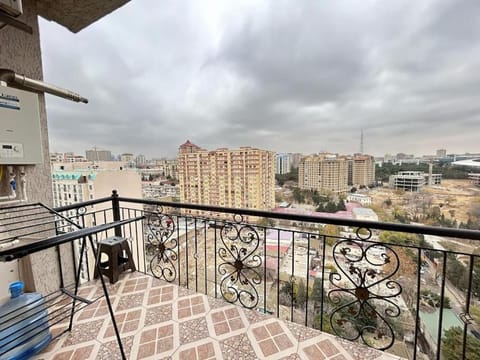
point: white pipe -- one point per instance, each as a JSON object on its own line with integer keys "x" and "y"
{"x": 13, "y": 185}
{"x": 10, "y": 77}
{"x": 23, "y": 183}
{"x": 14, "y": 197}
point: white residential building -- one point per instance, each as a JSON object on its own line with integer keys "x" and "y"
{"x": 282, "y": 163}
{"x": 362, "y": 199}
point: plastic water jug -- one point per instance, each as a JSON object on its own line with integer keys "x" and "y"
{"x": 24, "y": 329}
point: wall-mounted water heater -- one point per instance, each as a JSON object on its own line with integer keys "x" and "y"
{"x": 20, "y": 137}
{"x": 11, "y": 7}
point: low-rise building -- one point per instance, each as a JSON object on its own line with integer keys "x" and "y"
{"x": 360, "y": 198}
{"x": 365, "y": 214}
{"x": 413, "y": 180}
{"x": 475, "y": 177}
{"x": 67, "y": 157}
{"x": 98, "y": 155}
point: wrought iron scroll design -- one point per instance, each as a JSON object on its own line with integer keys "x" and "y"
{"x": 160, "y": 245}
{"x": 240, "y": 264}
{"x": 363, "y": 291}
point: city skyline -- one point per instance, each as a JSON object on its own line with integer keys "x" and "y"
{"x": 268, "y": 75}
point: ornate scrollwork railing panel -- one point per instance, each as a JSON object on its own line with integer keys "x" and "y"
{"x": 240, "y": 264}
{"x": 363, "y": 290}
{"x": 160, "y": 247}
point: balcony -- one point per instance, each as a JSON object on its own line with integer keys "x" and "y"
{"x": 159, "y": 320}
{"x": 226, "y": 282}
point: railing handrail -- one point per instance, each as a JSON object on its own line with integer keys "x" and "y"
{"x": 83, "y": 203}
{"x": 388, "y": 226}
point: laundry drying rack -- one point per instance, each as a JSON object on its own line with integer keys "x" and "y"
{"x": 29, "y": 228}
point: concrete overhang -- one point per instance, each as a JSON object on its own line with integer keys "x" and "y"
{"x": 76, "y": 15}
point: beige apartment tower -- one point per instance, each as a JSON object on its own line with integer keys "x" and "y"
{"x": 240, "y": 178}
{"x": 361, "y": 170}
{"x": 324, "y": 172}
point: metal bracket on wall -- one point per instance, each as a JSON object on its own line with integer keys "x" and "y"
{"x": 10, "y": 20}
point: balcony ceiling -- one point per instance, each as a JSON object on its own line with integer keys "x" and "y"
{"x": 76, "y": 15}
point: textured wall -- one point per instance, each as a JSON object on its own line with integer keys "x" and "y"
{"x": 20, "y": 51}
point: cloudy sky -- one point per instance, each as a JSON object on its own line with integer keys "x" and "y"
{"x": 289, "y": 76}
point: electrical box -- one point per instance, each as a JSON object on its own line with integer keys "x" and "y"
{"x": 11, "y": 7}
{"x": 20, "y": 138}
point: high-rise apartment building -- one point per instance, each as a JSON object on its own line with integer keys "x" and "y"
{"x": 73, "y": 184}
{"x": 282, "y": 163}
{"x": 295, "y": 159}
{"x": 441, "y": 153}
{"x": 168, "y": 167}
{"x": 324, "y": 172}
{"x": 241, "y": 178}
{"x": 361, "y": 170}
{"x": 140, "y": 160}
{"x": 98, "y": 155}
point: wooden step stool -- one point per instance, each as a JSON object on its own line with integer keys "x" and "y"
{"x": 119, "y": 258}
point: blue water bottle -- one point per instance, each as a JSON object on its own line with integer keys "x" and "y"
{"x": 24, "y": 328}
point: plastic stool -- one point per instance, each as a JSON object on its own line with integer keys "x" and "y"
{"x": 119, "y": 258}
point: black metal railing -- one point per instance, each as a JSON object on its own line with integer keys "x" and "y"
{"x": 378, "y": 283}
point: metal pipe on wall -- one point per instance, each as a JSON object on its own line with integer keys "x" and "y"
{"x": 10, "y": 77}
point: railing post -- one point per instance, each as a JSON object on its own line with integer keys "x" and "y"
{"x": 116, "y": 212}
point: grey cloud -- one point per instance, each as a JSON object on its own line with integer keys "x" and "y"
{"x": 287, "y": 76}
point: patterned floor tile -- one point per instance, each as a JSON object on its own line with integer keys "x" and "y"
{"x": 158, "y": 314}
{"x": 111, "y": 351}
{"x": 82, "y": 333}
{"x": 97, "y": 310}
{"x": 226, "y": 322}
{"x": 323, "y": 347}
{"x": 159, "y": 341}
{"x": 302, "y": 333}
{"x": 204, "y": 350}
{"x": 237, "y": 348}
{"x": 79, "y": 353}
{"x": 190, "y": 307}
{"x": 127, "y": 323}
{"x": 159, "y": 320}
{"x": 135, "y": 285}
{"x": 160, "y": 295}
{"x": 193, "y": 330}
{"x": 271, "y": 339}
{"x": 254, "y": 317}
{"x": 111, "y": 288}
{"x": 357, "y": 352}
{"x": 130, "y": 301}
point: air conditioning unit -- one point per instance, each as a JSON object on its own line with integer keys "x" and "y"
{"x": 11, "y": 7}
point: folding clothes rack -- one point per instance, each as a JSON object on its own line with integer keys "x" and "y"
{"x": 25, "y": 229}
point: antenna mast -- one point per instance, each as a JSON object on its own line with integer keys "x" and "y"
{"x": 361, "y": 142}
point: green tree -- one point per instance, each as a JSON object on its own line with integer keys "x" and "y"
{"x": 317, "y": 291}
{"x": 327, "y": 327}
{"x": 301, "y": 294}
{"x": 316, "y": 197}
{"x": 291, "y": 176}
{"x": 476, "y": 272}
{"x": 266, "y": 222}
{"x": 453, "y": 345}
{"x": 457, "y": 273}
{"x": 298, "y": 195}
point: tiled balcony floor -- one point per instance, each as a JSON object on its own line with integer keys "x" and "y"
{"x": 158, "y": 320}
